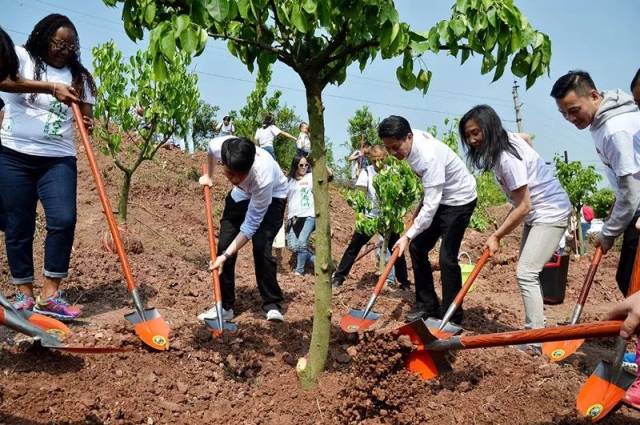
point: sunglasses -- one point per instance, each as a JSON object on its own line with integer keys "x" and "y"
{"x": 303, "y": 165}
{"x": 63, "y": 45}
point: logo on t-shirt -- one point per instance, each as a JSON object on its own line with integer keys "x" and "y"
{"x": 56, "y": 116}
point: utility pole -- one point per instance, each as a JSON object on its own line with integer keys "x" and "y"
{"x": 517, "y": 105}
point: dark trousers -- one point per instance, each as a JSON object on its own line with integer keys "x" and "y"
{"x": 358, "y": 240}
{"x": 627, "y": 256}
{"x": 25, "y": 179}
{"x": 449, "y": 223}
{"x": 263, "y": 260}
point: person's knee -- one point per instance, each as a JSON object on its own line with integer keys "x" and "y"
{"x": 62, "y": 221}
{"x": 448, "y": 261}
{"x": 526, "y": 275}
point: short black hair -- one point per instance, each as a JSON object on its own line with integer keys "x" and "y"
{"x": 8, "y": 59}
{"x": 226, "y": 117}
{"x": 578, "y": 81}
{"x": 238, "y": 154}
{"x": 636, "y": 80}
{"x": 394, "y": 126}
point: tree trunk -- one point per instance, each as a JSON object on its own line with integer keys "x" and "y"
{"x": 383, "y": 253}
{"x": 124, "y": 198}
{"x": 310, "y": 368}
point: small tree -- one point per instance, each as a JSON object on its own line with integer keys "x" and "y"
{"x": 362, "y": 126}
{"x": 319, "y": 40}
{"x": 580, "y": 183}
{"x": 601, "y": 201}
{"x": 202, "y": 126}
{"x": 397, "y": 190}
{"x": 140, "y": 114}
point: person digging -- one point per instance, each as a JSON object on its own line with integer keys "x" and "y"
{"x": 253, "y": 210}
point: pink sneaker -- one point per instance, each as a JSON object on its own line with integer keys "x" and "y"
{"x": 24, "y": 302}
{"x": 56, "y": 306}
{"x": 632, "y": 396}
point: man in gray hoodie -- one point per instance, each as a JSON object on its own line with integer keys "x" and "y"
{"x": 613, "y": 119}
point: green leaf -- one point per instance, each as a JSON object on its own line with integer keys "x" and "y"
{"x": 499, "y": 70}
{"x": 310, "y": 6}
{"x": 182, "y": 22}
{"x": 423, "y": 80}
{"x": 168, "y": 45}
{"x": 298, "y": 19}
{"x": 149, "y": 13}
{"x": 519, "y": 65}
{"x": 243, "y": 8}
{"x": 465, "y": 55}
{"x": 457, "y": 26}
{"x": 488, "y": 62}
{"x": 202, "y": 41}
{"x": 219, "y": 9}
{"x": 159, "y": 69}
{"x": 492, "y": 18}
{"x": 406, "y": 78}
{"x": 189, "y": 40}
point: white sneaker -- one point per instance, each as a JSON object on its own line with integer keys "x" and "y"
{"x": 274, "y": 315}
{"x": 212, "y": 313}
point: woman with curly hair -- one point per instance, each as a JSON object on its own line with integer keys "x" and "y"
{"x": 38, "y": 159}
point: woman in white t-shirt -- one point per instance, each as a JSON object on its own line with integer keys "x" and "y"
{"x": 267, "y": 133}
{"x": 301, "y": 220}
{"x": 38, "y": 160}
{"x": 226, "y": 127}
{"x": 537, "y": 197}
{"x": 303, "y": 143}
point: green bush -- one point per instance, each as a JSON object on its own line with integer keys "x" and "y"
{"x": 489, "y": 194}
{"x": 601, "y": 201}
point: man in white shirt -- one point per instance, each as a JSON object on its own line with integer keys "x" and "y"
{"x": 448, "y": 203}
{"x": 613, "y": 120}
{"x": 253, "y": 210}
{"x": 635, "y": 87}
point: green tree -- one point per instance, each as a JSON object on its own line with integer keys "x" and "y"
{"x": 601, "y": 201}
{"x": 449, "y": 136}
{"x": 580, "y": 183}
{"x": 319, "y": 40}
{"x": 203, "y": 125}
{"x": 139, "y": 113}
{"x": 363, "y": 126}
{"x": 397, "y": 190}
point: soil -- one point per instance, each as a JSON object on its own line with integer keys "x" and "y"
{"x": 249, "y": 377}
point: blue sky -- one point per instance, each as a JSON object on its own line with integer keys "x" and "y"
{"x": 597, "y": 36}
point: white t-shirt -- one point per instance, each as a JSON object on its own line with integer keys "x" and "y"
{"x": 617, "y": 142}
{"x": 549, "y": 201}
{"x": 41, "y": 127}
{"x": 304, "y": 142}
{"x": 365, "y": 179}
{"x": 226, "y": 130}
{"x": 445, "y": 178}
{"x": 265, "y": 136}
{"x": 300, "y": 197}
{"x": 264, "y": 182}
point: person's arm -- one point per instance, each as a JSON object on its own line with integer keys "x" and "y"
{"x": 625, "y": 206}
{"x": 60, "y": 91}
{"x": 354, "y": 156}
{"x": 285, "y": 134}
{"x": 629, "y": 311}
{"x": 526, "y": 137}
{"x": 86, "y": 109}
{"x": 423, "y": 219}
{"x": 211, "y": 163}
{"x": 522, "y": 201}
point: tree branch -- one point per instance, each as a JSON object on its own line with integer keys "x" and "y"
{"x": 279, "y": 25}
{"x": 332, "y": 45}
{"x": 284, "y": 58}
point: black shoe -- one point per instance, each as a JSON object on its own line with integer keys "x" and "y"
{"x": 405, "y": 286}
{"x": 416, "y": 315}
{"x": 336, "y": 282}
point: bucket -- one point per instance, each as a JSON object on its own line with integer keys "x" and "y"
{"x": 466, "y": 269}
{"x": 553, "y": 279}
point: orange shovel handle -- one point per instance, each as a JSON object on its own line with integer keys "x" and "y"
{"x": 212, "y": 240}
{"x": 472, "y": 277}
{"x": 113, "y": 227}
{"x": 383, "y": 277}
{"x": 588, "y": 280}
{"x": 634, "y": 285}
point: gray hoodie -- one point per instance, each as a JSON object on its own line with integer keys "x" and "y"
{"x": 614, "y": 103}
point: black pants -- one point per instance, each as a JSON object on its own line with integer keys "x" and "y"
{"x": 449, "y": 223}
{"x": 263, "y": 260}
{"x": 358, "y": 240}
{"x": 627, "y": 256}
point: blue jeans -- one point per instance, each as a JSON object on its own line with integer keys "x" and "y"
{"x": 300, "y": 244}
{"x": 25, "y": 179}
{"x": 271, "y": 151}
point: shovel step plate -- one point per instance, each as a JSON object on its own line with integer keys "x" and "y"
{"x": 558, "y": 351}
{"x": 216, "y": 329}
{"x": 599, "y": 396}
{"x": 448, "y": 331}
{"x": 153, "y": 330}
{"x": 48, "y": 324}
{"x": 354, "y": 322}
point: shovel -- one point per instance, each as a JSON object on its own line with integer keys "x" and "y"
{"x": 149, "y": 325}
{"x": 605, "y": 388}
{"x": 48, "y": 324}
{"x": 370, "y": 248}
{"x": 360, "y": 320}
{"x": 442, "y": 325}
{"x": 48, "y": 340}
{"x": 557, "y": 351}
{"x": 217, "y": 325}
{"x": 431, "y": 361}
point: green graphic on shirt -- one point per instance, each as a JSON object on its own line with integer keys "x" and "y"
{"x": 56, "y": 116}
{"x": 305, "y": 199}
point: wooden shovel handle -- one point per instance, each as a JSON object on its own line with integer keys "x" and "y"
{"x": 383, "y": 277}
{"x": 212, "y": 240}
{"x": 472, "y": 277}
{"x": 634, "y": 285}
{"x": 588, "y": 280}
{"x": 104, "y": 200}
{"x": 558, "y": 333}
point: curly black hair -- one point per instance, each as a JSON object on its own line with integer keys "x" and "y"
{"x": 38, "y": 45}
{"x": 8, "y": 59}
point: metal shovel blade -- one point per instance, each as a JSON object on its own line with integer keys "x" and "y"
{"x": 560, "y": 350}
{"x": 427, "y": 364}
{"x": 216, "y": 329}
{"x": 354, "y": 321}
{"x": 151, "y": 329}
{"x": 447, "y": 331}
{"x": 84, "y": 350}
{"x": 601, "y": 393}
